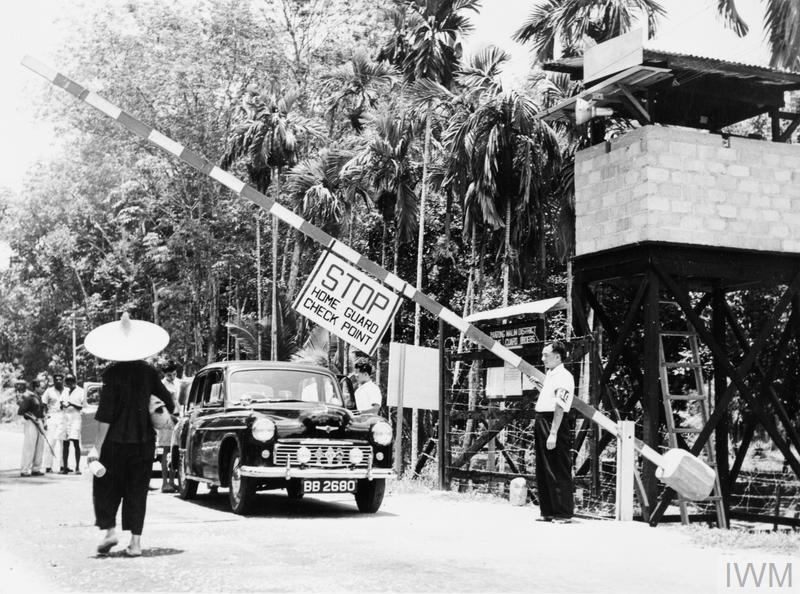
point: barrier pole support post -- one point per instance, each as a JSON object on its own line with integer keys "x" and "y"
{"x": 626, "y": 458}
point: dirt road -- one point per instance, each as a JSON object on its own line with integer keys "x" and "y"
{"x": 431, "y": 542}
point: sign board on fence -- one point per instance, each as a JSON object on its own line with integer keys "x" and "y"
{"x": 414, "y": 372}
{"x": 347, "y": 302}
{"x": 517, "y": 335}
{"x": 502, "y": 382}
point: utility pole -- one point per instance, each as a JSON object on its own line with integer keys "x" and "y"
{"x": 74, "y": 322}
{"x": 273, "y": 335}
{"x": 74, "y": 349}
{"x": 258, "y": 287}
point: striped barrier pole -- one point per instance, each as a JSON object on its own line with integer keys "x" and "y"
{"x": 670, "y": 468}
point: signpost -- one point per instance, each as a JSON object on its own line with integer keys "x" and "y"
{"x": 347, "y": 302}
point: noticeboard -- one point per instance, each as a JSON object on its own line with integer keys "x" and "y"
{"x": 517, "y": 335}
{"x": 347, "y": 302}
{"x": 413, "y": 376}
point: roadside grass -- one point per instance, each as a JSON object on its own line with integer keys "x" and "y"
{"x": 743, "y": 537}
{"x": 427, "y": 484}
{"x": 420, "y": 486}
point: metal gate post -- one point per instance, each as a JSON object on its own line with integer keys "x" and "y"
{"x": 626, "y": 458}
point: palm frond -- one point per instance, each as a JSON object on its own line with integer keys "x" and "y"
{"x": 315, "y": 349}
{"x": 540, "y": 29}
{"x": 732, "y": 18}
{"x": 782, "y": 25}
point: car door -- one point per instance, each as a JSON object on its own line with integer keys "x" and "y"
{"x": 193, "y": 417}
{"x": 211, "y": 412}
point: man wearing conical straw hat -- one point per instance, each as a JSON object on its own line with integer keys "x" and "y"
{"x": 125, "y": 443}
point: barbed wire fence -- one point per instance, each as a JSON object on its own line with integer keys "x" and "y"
{"x": 758, "y": 495}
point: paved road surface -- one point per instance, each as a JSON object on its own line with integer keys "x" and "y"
{"x": 437, "y": 542}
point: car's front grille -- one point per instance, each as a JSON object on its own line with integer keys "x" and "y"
{"x": 323, "y": 454}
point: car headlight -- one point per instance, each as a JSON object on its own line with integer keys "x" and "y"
{"x": 263, "y": 429}
{"x": 382, "y": 433}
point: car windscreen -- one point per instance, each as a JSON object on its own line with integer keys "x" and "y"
{"x": 272, "y": 385}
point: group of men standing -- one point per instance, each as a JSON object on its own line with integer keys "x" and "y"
{"x": 52, "y": 421}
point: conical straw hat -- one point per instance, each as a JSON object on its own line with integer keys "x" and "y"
{"x": 126, "y": 340}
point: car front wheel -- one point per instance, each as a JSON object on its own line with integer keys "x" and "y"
{"x": 242, "y": 490}
{"x": 187, "y": 488}
{"x": 369, "y": 495}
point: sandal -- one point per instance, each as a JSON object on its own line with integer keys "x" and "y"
{"x": 128, "y": 553}
{"x": 106, "y": 544}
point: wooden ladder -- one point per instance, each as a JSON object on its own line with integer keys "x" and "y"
{"x": 697, "y": 395}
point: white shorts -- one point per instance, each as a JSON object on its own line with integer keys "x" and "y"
{"x": 72, "y": 425}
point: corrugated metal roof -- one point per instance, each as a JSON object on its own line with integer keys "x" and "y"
{"x": 725, "y": 66}
{"x": 540, "y": 307}
{"x": 655, "y": 46}
{"x": 767, "y": 74}
{"x": 637, "y": 76}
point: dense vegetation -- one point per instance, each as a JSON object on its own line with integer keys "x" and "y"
{"x": 370, "y": 123}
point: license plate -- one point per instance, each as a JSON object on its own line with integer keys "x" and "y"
{"x": 329, "y": 486}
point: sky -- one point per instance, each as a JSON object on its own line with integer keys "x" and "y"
{"x": 28, "y": 28}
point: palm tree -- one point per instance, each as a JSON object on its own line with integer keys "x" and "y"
{"x": 511, "y": 154}
{"x": 569, "y": 21}
{"x": 323, "y": 196}
{"x": 427, "y": 47}
{"x": 385, "y": 166}
{"x": 267, "y": 139}
{"x": 781, "y": 25}
{"x": 356, "y": 87}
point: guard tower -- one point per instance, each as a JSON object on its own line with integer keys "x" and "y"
{"x": 674, "y": 219}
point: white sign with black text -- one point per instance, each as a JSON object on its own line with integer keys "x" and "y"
{"x": 347, "y": 302}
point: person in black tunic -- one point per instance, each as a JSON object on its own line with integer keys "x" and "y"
{"x": 125, "y": 442}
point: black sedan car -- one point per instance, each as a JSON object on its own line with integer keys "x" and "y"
{"x": 257, "y": 425}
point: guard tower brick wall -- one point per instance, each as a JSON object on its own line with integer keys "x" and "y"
{"x": 681, "y": 185}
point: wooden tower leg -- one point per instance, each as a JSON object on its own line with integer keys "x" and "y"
{"x": 720, "y": 385}
{"x": 652, "y": 391}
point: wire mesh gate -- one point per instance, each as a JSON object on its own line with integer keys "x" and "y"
{"x": 486, "y": 439}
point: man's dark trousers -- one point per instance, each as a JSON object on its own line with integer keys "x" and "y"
{"x": 554, "y": 467}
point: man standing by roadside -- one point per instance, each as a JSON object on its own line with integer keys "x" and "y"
{"x": 73, "y": 405}
{"x": 553, "y": 438}
{"x": 51, "y": 399}
{"x": 368, "y": 394}
{"x": 30, "y": 409}
{"x": 164, "y": 436}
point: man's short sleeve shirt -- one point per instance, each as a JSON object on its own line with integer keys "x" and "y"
{"x": 368, "y": 395}
{"x": 52, "y": 400}
{"x": 555, "y": 379}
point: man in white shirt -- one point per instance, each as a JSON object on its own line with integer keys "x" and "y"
{"x": 553, "y": 437}
{"x": 51, "y": 399}
{"x": 72, "y": 405}
{"x": 368, "y": 394}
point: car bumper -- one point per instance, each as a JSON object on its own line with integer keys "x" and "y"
{"x": 316, "y": 473}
